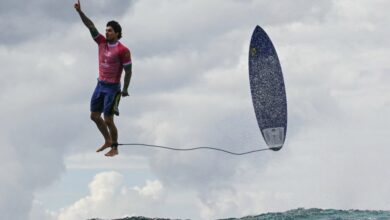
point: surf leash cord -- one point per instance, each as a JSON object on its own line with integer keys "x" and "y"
{"x": 193, "y": 148}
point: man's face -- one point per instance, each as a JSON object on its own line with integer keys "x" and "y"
{"x": 110, "y": 34}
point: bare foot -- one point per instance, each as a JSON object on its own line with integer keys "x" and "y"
{"x": 105, "y": 145}
{"x": 112, "y": 152}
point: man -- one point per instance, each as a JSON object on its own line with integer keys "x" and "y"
{"x": 113, "y": 58}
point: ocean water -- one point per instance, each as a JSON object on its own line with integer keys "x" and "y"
{"x": 322, "y": 214}
{"x": 300, "y": 214}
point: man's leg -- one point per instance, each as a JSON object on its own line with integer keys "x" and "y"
{"x": 102, "y": 126}
{"x": 109, "y": 121}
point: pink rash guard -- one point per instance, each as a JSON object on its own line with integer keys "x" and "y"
{"x": 112, "y": 59}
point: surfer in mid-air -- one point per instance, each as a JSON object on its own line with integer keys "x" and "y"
{"x": 113, "y": 58}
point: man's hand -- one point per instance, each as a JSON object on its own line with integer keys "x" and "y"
{"x": 77, "y": 6}
{"x": 125, "y": 93}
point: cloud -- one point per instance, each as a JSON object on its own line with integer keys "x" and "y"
{"x": 109, "y": 197}
{"x": 151, "y": 189}
{"x": 32, "y": 21}
{"x": 190, "y": 88}
{"x": 202, "y": 22}
{"x": 38, "y": 132}
{"x": 326, "y": 62}
{"x": 39, "y": 212}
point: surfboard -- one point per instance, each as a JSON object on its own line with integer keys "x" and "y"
{"x": 267, "y": 89}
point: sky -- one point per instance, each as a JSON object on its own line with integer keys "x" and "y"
{"x": 189, "y": 88}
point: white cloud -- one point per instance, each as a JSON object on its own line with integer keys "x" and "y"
{"x": 109, "y": 197}
{"x": 190, "y": 88}
{"x": 151, "y": 189}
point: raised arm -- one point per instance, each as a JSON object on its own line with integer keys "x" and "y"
{"x": 86, "y": 20}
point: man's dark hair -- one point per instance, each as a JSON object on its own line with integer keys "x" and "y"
{"x": 117, "y": 28}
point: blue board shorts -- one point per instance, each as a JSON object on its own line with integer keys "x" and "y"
{"x": 105, "y": 99}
